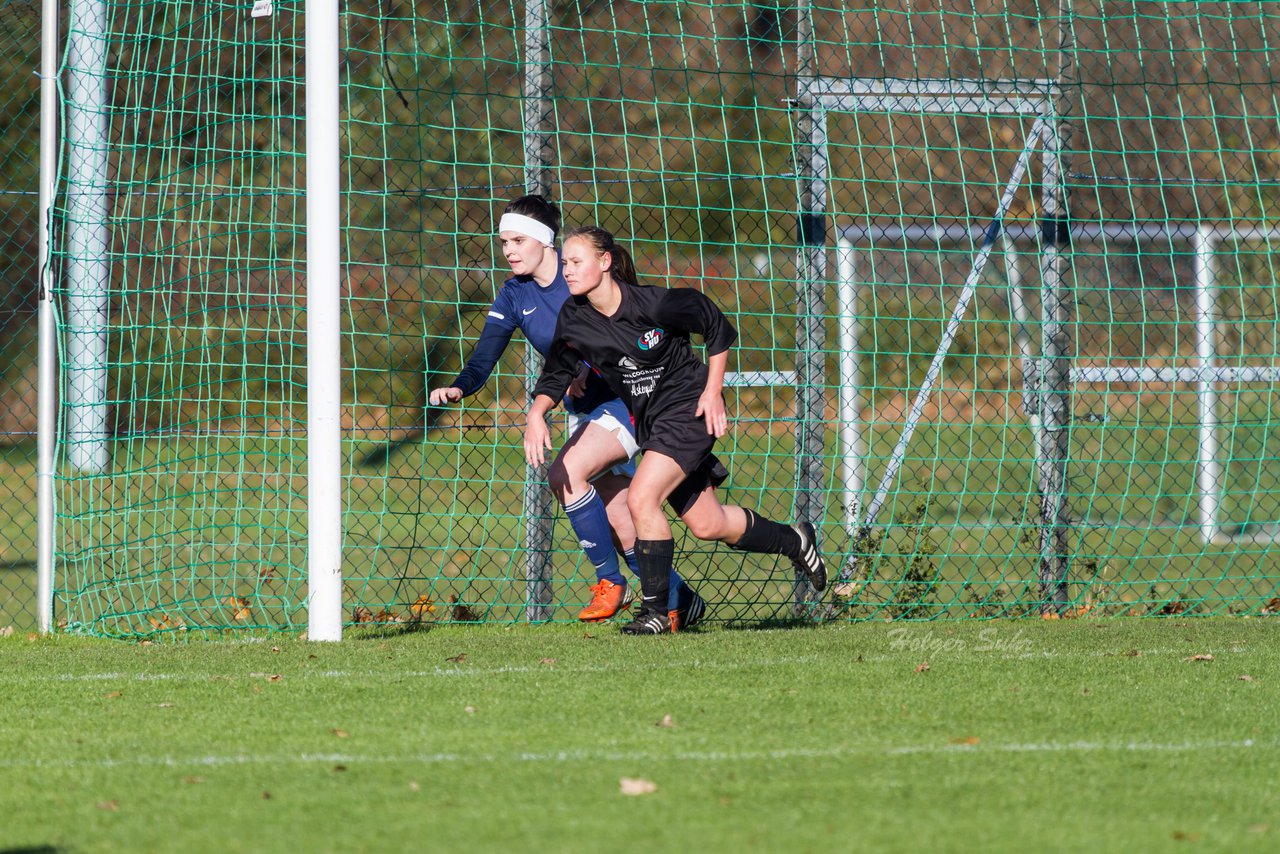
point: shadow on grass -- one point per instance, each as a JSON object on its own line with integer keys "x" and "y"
{"x": 770, "y": 624}
{"x": 385, "y": 631}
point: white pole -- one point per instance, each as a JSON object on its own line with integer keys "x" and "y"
{"x": 853, "y": 441}
{"x": 47, "y": 416}
{"x": 1018, "y": 303}
{"x": 86, "y": 266}
{"x": 324, "y": 344}
{"x": 1209, "y": 479}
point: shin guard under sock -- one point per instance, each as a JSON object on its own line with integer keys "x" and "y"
{"x": 678, "y": 585}
{"x": 764, "y": 536}
{"x": 654, "y": 559}
{"x": 591, "y": 523}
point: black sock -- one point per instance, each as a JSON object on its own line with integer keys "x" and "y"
{"x": 654, "y": 559}
{"x": 765, "y": 536}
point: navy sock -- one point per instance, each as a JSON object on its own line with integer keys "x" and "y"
{"x": 591, "y": 523}
{"x": 678, "y": 584}
{"x": 764, "y": 536}
{"x": 655, "y": 558}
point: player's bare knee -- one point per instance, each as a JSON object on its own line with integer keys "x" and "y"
{"x": 640, "y": 503}
{"x": 558, "y": 479}
{"x": 706, "y": 527}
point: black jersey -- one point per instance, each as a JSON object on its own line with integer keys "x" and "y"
{"x": 642, "y": 351}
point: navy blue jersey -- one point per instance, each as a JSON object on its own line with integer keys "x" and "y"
{"x": 524, "y": 304}
{"x": 643, "y": 350}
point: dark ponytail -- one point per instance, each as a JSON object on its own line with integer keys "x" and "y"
{"x": 537, "y": 207}
{"x": 621, "y": 265}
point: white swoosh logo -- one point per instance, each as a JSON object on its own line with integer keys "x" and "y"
{"x": 529, "y": 311}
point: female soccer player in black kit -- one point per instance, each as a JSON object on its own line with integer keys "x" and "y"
{"x": 637, "y": 338}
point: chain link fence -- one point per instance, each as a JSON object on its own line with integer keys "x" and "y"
{"x": 1003, "y": 273}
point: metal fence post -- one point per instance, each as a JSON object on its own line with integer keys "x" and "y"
{"x": 1052, "y": 384}
{"x": 539, "y": 124}
{"x": 811, "y": 269}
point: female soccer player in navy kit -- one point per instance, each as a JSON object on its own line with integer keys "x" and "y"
{"x": 637, "y": 338}
{"x": 591, "y": 473}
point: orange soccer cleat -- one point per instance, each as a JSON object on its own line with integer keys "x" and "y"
{"x": 607, "y": 599}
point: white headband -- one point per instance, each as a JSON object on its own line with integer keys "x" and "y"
{"x": 528, "y": 226}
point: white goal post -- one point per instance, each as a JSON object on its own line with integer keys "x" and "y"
{"x": 1208, "y": 374}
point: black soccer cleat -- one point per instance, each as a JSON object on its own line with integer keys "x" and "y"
{"x": 651, "y": 623}
{"x": 809, "y": 563}
{"x": 690, "y": 609}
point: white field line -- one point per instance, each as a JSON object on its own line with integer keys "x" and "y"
{"x": 854, "y": 658}
{"x": 596, "y": 757}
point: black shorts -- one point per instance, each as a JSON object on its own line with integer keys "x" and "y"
{"x": 711, "y": 472}
{"x": 688, "y": 443}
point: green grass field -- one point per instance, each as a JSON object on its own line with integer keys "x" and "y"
{"x": 1084, "y": 735}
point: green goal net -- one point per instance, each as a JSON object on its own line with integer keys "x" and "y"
{"x": 1003, "y": 273}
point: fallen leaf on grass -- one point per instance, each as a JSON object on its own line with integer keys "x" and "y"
{"x": 1245, "y": 677}
{"x": 6, "y": 631}
{"x": 414, "y": 785}
{"x": 471, "y": 710}
{"x": 113, "y": 695}
{"x": 32, "y": 637}
{"x": 922, "y": 667}
{"x": 275, "y": 677}
{"x": 239, "y": 608}
{"x": 165, "y": 622}
{"x": 667, "y": 722}
{"x": 275, "y": 649}
{"x": 385, "y": 616}
{"x": 193, "y": 779}
{"x": 461, "y": 613}
{"x": 637, "y": 786}
{"x": 547, "y": 661}
{"x": 1134, "y": 653}
{"x": 109, "y": 806}
{"x": 1272, "y": 606}
{"x": 844, "y": 590}
{"x": 419, "y": 610}
{"x": 970, "y": 739}
{"x": 457, "y": 659}
{"x": 1189, "y": 837}
{"x": 339, "y": 768}
{"x": 166, "y": 706}
{"x": 1201, "y": 656}
{"x": 266, "y": 796}
{"x": 361, "y": 615}
{"x": 340, "y": 733}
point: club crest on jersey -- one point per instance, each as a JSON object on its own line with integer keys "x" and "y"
{"x": 650, "y": 339}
